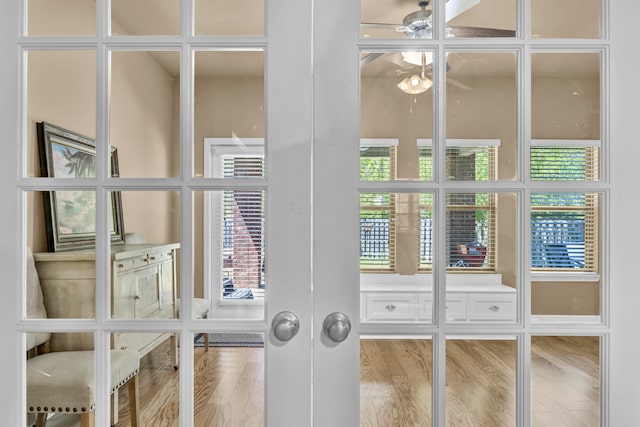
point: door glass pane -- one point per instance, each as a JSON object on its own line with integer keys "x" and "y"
{"x": 229, "y": 379}
{"x": 145, "y": 17}
{"x": 61, "y": 90}
{"x": 145, "y": 267}
{"x": 57, "y": 222}
{"x": 475, "y": 18}
{"x": 393, "y": 19}
{"x": 565, "y": 96}
{"x": 143, "y": 125}
{"x": 565, "y": 381}
{"x": 228, "y": 109}
{"x": 60, "y": 378}
{"x": 482, "y": 260}
{"x": 481, "y": 382}
{"x": 396, "y": 257}
{"x": 220, "y": 17}
{"x": 61, "y": 18}
{"x": 566, "y": 18}
{"x": 158, "y": 379}
{"x": 395, "y": 382}
{"x": 389, "y": 19}
{"x": 565, "y": 253}
{"x": 396, "y": 100}
{"x": 229, "y": 258}
{"x": 482, "y": 113}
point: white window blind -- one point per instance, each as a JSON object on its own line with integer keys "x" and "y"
{"x": 568, "y": 163}
{"x": 377, "y": 231}
{"x": 243, "y": 229}
{"x": 564, "y": 231}
{"x": 471, "y": 229}
{"x": 466, "y": 159}
{"x": 378, "y": 159}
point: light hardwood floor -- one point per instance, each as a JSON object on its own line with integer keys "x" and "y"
{"x": 395, "y": 385}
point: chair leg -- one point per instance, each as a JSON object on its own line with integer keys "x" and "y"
{"x": 41, "y": 420}
{"x": 87, "y": 419}
{"x": 134, "y": 401}
{"x": 175, "y": 352}
{"x": 114, "y": 407}
{"x": 206, "y": 342}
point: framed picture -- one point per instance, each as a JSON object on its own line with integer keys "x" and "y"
{"x": 70, "y": 215}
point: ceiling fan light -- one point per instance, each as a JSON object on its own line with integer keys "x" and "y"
{"x": 415, "y": 57}
{"x": 415, "y": 84}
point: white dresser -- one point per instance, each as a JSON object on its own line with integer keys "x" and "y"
{"x": 143, "y": 286}
{"x": 470, "y": 298}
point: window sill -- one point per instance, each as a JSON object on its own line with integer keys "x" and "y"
{"x": 564, "y": 277}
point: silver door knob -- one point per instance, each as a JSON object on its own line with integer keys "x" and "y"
{"x": 337, "y": 327}
{"x": 285, "y": 325}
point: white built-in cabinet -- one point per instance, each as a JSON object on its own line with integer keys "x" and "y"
{"x": 470, "y": 298}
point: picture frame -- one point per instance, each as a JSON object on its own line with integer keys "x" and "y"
{"x": 70, "y": 215}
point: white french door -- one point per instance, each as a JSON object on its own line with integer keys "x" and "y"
{"x": 313, "y": 109}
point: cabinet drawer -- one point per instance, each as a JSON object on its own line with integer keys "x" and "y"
{"x": 456, "y": 307}
{"x": 492, "y": 307}
{"x": 425, "y": 307}
{"x": 129, "y": 264}
{"x": 391, "y": 307}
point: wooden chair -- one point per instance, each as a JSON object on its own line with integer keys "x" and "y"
{"x": 63, "y": 381}
{"x": 200, "y": 311}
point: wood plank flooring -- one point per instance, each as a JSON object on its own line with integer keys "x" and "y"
{"x": 396, "y": 380}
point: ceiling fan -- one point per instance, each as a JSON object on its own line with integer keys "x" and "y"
{"x": 419, "y": 24}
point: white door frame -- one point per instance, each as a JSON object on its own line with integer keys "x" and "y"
{"x": 337, "y": 30}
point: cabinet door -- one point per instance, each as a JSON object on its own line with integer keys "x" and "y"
{"x": 147, "y": 292}
{"x": 123, "y": 294}
{"x": 167, "y": 288}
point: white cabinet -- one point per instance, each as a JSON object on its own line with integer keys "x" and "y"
{"x": 143, "y": 286}
{"x": 473, "y": 298}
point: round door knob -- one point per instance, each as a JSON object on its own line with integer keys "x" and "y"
{"x": 285, "y": 325}
{"x": 337, "y": 327}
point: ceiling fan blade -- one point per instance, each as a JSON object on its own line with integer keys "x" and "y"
{"x": 395, "y": 27}
{"x": 459, "y": 85}
{"x": 365, "y": 59}
{"x": 462, "y": 31}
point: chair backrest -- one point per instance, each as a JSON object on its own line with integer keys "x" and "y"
{"x": 35, "y": 302}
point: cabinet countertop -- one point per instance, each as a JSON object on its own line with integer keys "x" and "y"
{"x": 117, "y": 252}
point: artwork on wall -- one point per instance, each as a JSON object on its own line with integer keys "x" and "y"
{"x": 70, "y": 215}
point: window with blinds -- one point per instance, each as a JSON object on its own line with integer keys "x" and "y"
{"x": 243, "y": 230}
{"x": 377, "y": 232}
{"x": 377, "y": 162}
{"x": 466, "y": 160}
{"x": 471, "y": 229}
{"x": 564, "y": 163}
{"x": 564, "y": 227}
{"x": 425, "y": 208}
{"x": 564, "y": 231}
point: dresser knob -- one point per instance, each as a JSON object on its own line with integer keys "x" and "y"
{"x": 390, "y": 307}
{"x": 136, "y": 297}
{"x": 123, "y": 347}
{"x": 494, "y": 308}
